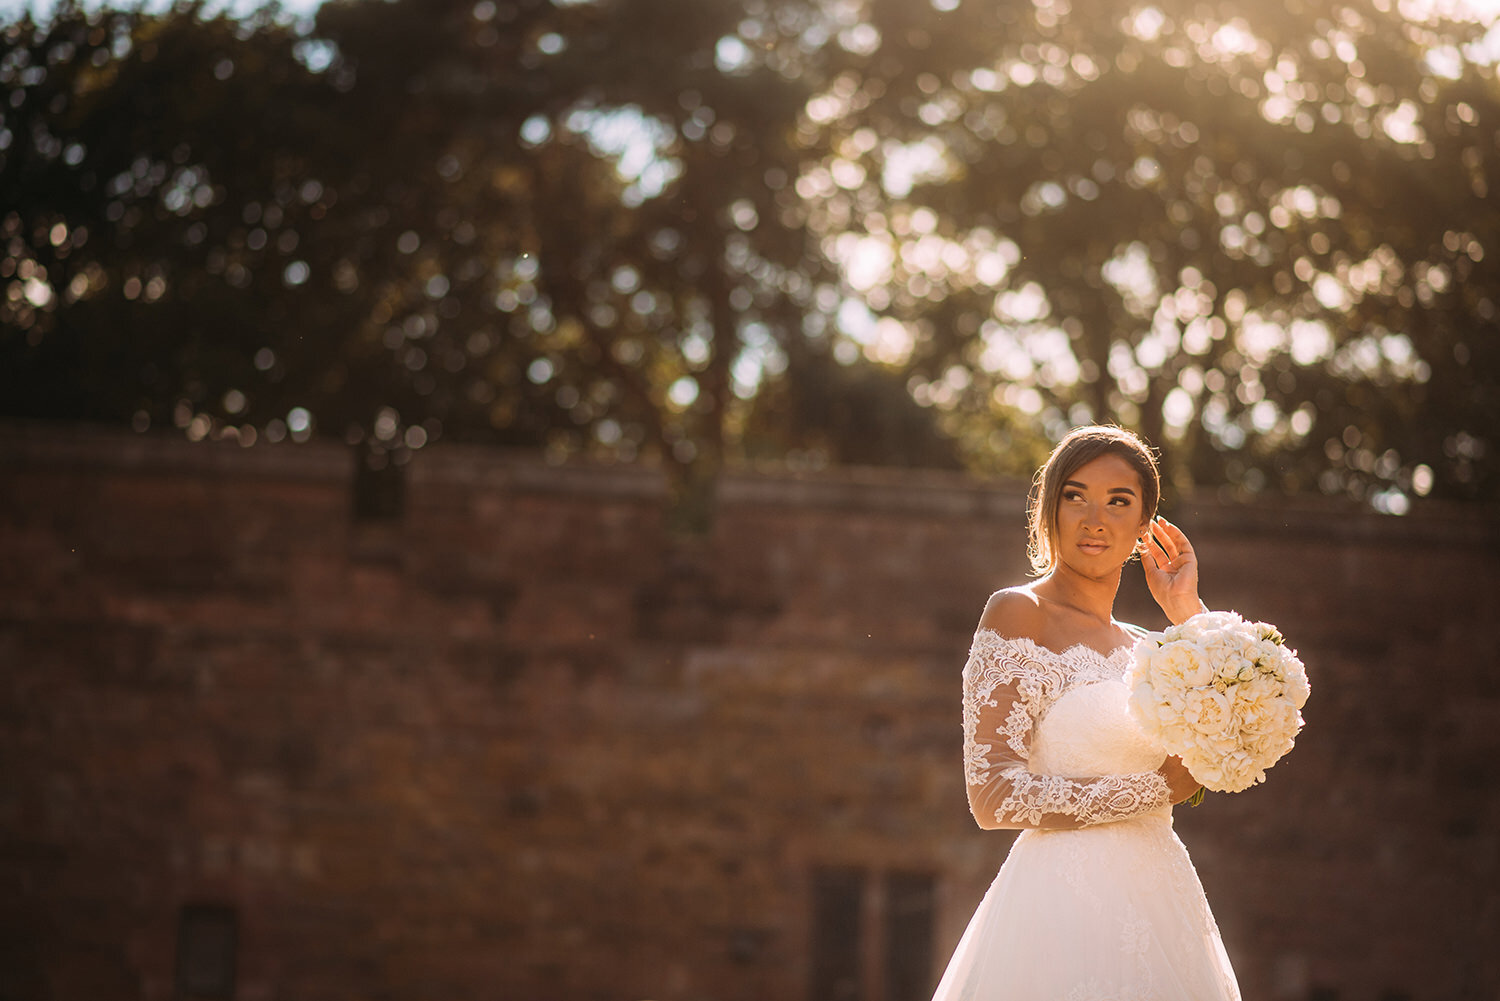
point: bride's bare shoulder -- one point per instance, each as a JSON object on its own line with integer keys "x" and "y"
{"x": 1015, "y": 612}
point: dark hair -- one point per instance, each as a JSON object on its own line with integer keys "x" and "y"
{"x": 1077, "y": 449}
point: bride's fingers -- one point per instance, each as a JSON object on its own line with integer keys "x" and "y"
{"x": 1163, "y": 541}
{"x": 1161, "y": 559}
{"x": 1178, "y": 536}
{"x": 1171, "y": 553}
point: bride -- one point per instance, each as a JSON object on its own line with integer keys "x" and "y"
{"x": 1097, "y": 900}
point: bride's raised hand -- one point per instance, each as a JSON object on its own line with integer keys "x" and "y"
{"x": 1171, "y": 569}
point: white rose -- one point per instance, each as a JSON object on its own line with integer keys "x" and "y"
{"x": 1174, "y": 735}
{"x": 1268, "y": 632}
{"x": 1207, "y": 712}
{"x": 1297, "y": 688}
{"x": 1143, "y": 706}
{"x": 1233, "y": 668}
{"x": 1193, "y": 629}
{"x": 1206, "y": 768}
{"x": 1220, "y": 743}
{"x": 1222, "y": 647}
{"x": 1241, "y": 772}
{"x": 1209, "y": 623}
{"x": 1180, "y": 665}
{"x": 1254, "y": 701}
{"x": 1248, "y": 649}
{"x": 1268, "y": 748}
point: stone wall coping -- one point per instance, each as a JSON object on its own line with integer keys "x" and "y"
{"x": 92, "y": 447}
{"x": 935, "y": 493}
{"x": 484, "y": 467}
{"x": 852, "y": 488}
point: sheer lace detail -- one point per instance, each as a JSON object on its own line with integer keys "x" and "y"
{"x": 1090, "y": 801}
{"x": 1009, "y": 685}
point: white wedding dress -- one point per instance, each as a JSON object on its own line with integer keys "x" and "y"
{"x": 1097, "y": 900}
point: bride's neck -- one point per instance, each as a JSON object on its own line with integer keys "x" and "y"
{"x": 1091, "y": 596}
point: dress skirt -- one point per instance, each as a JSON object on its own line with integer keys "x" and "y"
{"x": 1107, "y": 913}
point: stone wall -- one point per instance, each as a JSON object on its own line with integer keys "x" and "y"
{"x": 522, "y": 743}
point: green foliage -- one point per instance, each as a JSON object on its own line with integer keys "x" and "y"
{"x": 709, "y": 231}
{"x": 1254, "y": 231}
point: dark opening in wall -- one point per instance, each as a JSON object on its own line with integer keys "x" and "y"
{"x": 379, "y": 487}
{"x": 838, "y": 895}
{"x": 871, "y": 935}
{"x": 908, "y": 936}
{"x": 207, "y": 943}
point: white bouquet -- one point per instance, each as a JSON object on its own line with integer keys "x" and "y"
{"x": 1221, "y": 693}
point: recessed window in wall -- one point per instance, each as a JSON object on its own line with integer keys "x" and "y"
{"x": 871, "y": 935}
{"x": 379, "y": 487}
{"x": 207, "y": 943}
{"x": 837, "y": 900}
{"x": 908, "y": 936}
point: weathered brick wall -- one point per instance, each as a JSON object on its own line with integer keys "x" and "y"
{"x": 522, "y": 743}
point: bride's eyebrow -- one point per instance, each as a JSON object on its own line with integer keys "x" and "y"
{"x": 1112, "y": 490}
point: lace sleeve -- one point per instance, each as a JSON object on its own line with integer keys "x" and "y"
{"x": 1005, "y": 694}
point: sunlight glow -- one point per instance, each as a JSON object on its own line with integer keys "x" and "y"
{"x": 1481, "y": 11}
{"x": 731, "y": 55}
{"x": 1401, "y": 123}
{"x": 683, "y": 393}
{"x": 867, "y": 260}
{"x": 637, "y": 142}
{"x": 1132, "y": 275}
{"x": 907, "y": 165}
{"x": 1024, "y": 305}
{"x": 1234, "y": 39}
{"x": 1146, "y": 23}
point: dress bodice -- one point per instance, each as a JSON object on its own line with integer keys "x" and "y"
{"x": 1089, "y": 731}
{"x": 1049, "y": 740}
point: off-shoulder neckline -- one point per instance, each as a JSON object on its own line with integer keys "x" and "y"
{"x": 1064, "y": 654}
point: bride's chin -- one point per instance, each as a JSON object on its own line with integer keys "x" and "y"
{"x": 1094, "y": 569}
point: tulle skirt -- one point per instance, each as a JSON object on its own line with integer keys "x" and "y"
{"x": 1107, "y": 913}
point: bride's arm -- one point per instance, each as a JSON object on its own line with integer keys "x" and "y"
{"x": 1181, "y": 785}
{"x": 1003, "y": 699}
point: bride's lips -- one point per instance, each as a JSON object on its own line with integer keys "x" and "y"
{"x": 1094, "y": 546}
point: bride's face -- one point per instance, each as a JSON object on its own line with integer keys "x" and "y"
{"x": 1100, "y": 515}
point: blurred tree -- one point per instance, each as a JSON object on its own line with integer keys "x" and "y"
{"x": 237, "y": 228}
{"x": 556, "y": 225}
{"x": 702, "y": 229}
{"x": 1254, "y": 231}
